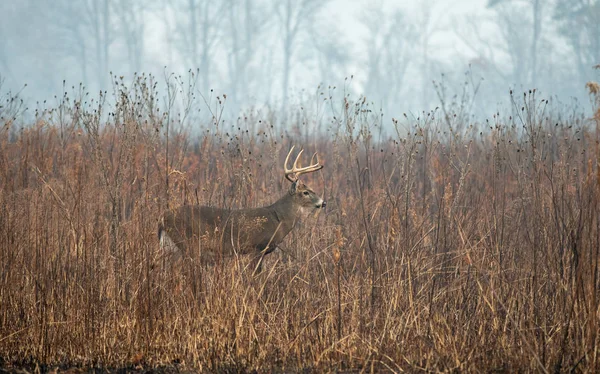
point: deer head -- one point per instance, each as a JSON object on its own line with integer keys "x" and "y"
{"x": 304, "y": 198}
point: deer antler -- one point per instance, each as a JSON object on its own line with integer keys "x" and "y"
{"x": 296, "y": 169}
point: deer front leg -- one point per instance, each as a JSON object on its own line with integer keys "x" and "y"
{"x": 256, "y": 264}
{"x": 257, "y": 260}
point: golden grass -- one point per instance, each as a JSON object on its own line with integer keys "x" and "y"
{"x": 440, "y": 250}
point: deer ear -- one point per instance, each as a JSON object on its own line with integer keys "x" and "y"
{"x": 293, "y": 188}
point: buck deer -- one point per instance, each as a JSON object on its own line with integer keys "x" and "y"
{"x": 255, "y": 231}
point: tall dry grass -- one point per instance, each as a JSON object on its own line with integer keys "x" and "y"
{"x": 447, "y": 246}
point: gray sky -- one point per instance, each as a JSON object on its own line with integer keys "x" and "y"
{"x": 394, "y": 49}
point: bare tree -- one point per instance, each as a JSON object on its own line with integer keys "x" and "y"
{"x": 331, "y": 53}
{"x": 511, "y": 53}
{"x": 427, "y": 21}
{"x": 76, "y": 24}
{"x": 294, "y": 17}
{"x": 389, "y": 50}
{"x": 27, "y": 52}
{"x": 580, "y": 27}
{"x": 97, "y": 16}
{"x": 5, "y": 8}
{"x": 536, "y": 32}
{"x": 130, "y": 16}
{"x": 70, "y": 34}
{"x": 246, "y": 21}
{"x": 198, "y": 34}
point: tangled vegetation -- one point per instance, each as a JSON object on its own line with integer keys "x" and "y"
{"x": 446, "y": 245}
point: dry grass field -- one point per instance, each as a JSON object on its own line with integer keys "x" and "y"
{"x": 446, "y": 246}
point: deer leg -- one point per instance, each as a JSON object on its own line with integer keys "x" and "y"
{"x": 256, "y": 264}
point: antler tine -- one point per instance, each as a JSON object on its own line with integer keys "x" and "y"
{"x": 287, "y": 158}
{"x": 298, "y": 170}
{"x": 314, "y": 166}
{"x": 296, "y": 166}
{"x": 310, "y": 168}
{"x": 287, "y": 171}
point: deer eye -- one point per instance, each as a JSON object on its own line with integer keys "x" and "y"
{"x": 305, "y": 193}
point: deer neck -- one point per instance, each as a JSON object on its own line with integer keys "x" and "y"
{"x": 286, "y": 212}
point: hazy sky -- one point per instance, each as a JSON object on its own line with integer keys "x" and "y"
{"x": 39, "y": 41}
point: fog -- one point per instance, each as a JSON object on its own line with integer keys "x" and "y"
{"x": 405, "y": 57}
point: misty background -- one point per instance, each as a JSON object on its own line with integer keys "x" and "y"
{"x": 404, "y": 56}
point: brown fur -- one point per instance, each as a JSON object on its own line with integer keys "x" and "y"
{"x": 244, "y": 231}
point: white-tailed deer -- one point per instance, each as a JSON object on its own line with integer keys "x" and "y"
{"x": 244, "y": 231}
